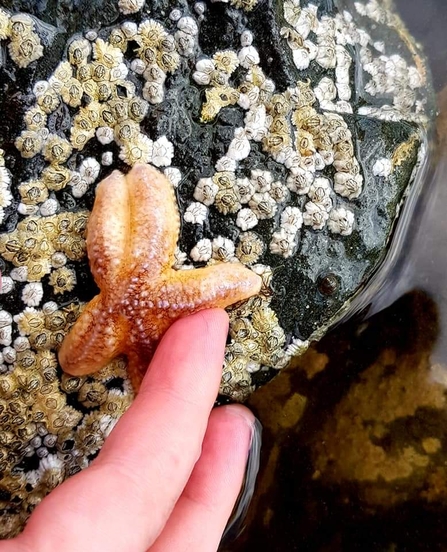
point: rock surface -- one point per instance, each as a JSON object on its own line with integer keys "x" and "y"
{"x": 291, "y": 132}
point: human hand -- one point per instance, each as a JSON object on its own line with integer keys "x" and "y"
{"x": 168, "y": 475}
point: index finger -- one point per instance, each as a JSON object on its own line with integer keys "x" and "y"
{"x": 123, "y": 500}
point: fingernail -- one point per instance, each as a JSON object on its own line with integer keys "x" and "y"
{"x": 235, "y": 524}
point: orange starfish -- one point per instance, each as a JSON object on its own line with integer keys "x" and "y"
{"x": 131, "y": 239}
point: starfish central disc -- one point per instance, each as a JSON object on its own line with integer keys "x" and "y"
{"x": 131, "y": 239}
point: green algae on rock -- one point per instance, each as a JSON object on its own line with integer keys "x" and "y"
{"x": 291, "y": 132}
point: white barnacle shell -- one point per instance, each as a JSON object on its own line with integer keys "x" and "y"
{"x": 5, "y": 177}
{"x": 326, "y": 53}
{"x": 58, "y": 259}
{"x": 204, "y": 70}
{"x": 153, "y": 73}
{"x": 202, "y": 251}
{"x": 256, "y": 123}
{"x": 80, "y": 188}
{"x": 383, "y": 167}
{"x": 206, "y": 191}
{"x": 348, "y": 185}
{"x": 163, "y": 152}
{"x": 279, "y": 192}
{"x": 291, "y": 219}
{"x": 344, "y": 92}
{"x": 49, "y": 307}
{"x": 196, "y": 213}
{"x": 307, "y": 21}
{"x": 240, "y": 146}
{"x": 245, "y": 189}
{"x": 292, "y": 11}
{"x": 89, "y": 170}
{"x": 138, "y": 66}
{"x": 299, "y": 180}
{"x": 175, "y": 14}
{"x": 246, "y": 219}
{"x": 19, "y": 274}
{"x": 7, "y": 285}
{"x": 5, "y": 25}
{"x": 248, "y": 57}
{"x": 303, "y": 56}
{"x": 9, "y": 355}
{"x": 263, "y": 205}
{"x": 325, "y": 90}
{"x": 246, "y": 38}
{"x": 130, "y": 6}
{"x": 288, "y": 157}
{"x": 327, "y": 156}
{"x": 319, "y": 162}
{"x": 49, "y": 207}
{"x": 261, "y": 179}
{"x": 40, "y": 88}
{"x": 5, "y": 194}
{"x": 200, "y": 8}
{"x": 107, "y": 158}
{"x": 185, "y": 43}
{"x": 5, "y": 319}
{"x": 223, "y": 249}
{"x": 173, "y": 175}
{"x": 297, "y": 347}
{"x": 6, "y": 335}
{"x": 283, "y": 243}
{"x": 23, "y": 209}
{"x": 226, "y": 163}
{"x": 153, "y": 92}
{"x": 188, "y": 25}
{"x": 341, "y": 221}
{"x": 32, "y": 294}
{"x": 320, "y": 193}
{"x": 130, "y": 29}
{"x": 315, "y": 215}
{"x": 21, "y": 344}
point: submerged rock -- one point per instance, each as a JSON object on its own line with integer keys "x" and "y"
{"x": 291, "y": 132}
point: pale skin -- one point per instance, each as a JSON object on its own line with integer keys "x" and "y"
{"x": 169, "y": 473}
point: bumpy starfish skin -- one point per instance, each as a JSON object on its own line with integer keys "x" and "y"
{"x": 131, "y": 239}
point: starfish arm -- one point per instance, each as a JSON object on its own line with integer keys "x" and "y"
{"x": 96, "y": 338}
{"x": 108, "y": 229}
{"x": 154, "y": 219}
{"x": 218, "y": 285}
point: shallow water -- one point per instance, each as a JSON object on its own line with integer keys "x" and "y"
{"x": 355, "y": 440}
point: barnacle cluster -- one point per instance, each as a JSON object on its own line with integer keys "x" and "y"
{"x": 24, "y": 45}
{"x": 290, "y": 168}
{"x": 5, "y": 183}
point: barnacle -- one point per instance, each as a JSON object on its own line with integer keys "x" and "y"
{"x": 72, "y": 92}
{"x": 137, "y": 150}
{"x": 227, "y": 201}
{"x": 57, "y": 150}
{"x": 79, "y": 51}
{"x": 29, "y": 143}
{"x": 226, "y": 61}
{"x": 56, "y": 177}
{"x": 35, "y": 119}
{"x": 62, "y": 280}
{"x": 216, "y": 99}
{"x": 5, "y": 25}
{"x": 49, "y": 101}
{"x": 130, "y": 6}
{"x": 26, "y": 49}
{"x": 118, "y": 39}
{"x": 249, "y": 248}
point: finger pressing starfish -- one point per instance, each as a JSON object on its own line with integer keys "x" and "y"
{"x": 132, "y": 234}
